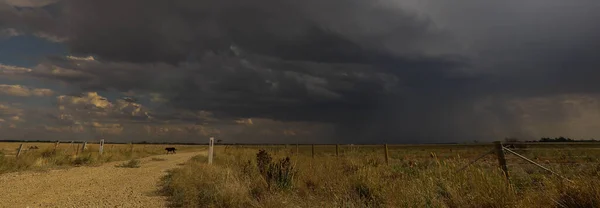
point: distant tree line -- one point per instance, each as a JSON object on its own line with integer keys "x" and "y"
{"x": 107, "y": 142}
{"x": 564, "y": 139}
{"x": 548, "y": 139}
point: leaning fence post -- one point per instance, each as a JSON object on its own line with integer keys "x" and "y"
{"x": 101, "y": 148}
{"x": 19, "y": 152}
{"x": 77, "y": 152}
{"x": 211, "y": 143}
{"x": 337, "y": 150}
{"x": 385, "y": 147}
{"x": 56, "y": 145}
{"x": 501, "y": 158}
{"x": 131, "y": 148}
{"x": 84, "y": 145}
{"x": 313, "y": 150}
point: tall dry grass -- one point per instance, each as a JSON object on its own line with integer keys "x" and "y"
{"x": 66, "y": 155}
{"x": 360, "y": 178}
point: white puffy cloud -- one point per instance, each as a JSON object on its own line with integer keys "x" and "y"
{"x": 90, "y": 107}
{"x": 9, "y": 109}
{"x": 11, "y": 70}
{"x": 24, "y": 91}
{"x": 129, "y": 108}
{"x": 86, "y": 100}
{"x": 16, "y": 118}
{"x": 244, "y": 121}
{"x": 50, "y": 37}
{"x": 77, "y": 58}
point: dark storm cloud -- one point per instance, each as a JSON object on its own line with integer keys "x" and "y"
{"x": 382, "y": 70}
{"x": 534, "y": 47}
{"x": 151, "y": 31}
{"x": 32, "y": 17}
{"x": 234, "y": 87}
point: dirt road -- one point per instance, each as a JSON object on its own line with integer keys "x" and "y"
{"x": 103, "y": 186}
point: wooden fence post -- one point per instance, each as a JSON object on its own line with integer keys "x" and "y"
{"x": 385, "y": 147}
{"x": 101, "y": 148}
{"x": 313, "y": 150}
{"x": 56, "y": 145}
{"x": 501, "y": 158}
{"x": 83, "y": 148}
{"x": 77, "y": 152}
{"x": 211, "y": 143}
{"x": 19, "y": 152}
{"x": 337, "y": 150}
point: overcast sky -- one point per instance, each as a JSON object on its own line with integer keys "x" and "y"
{"x": 344, "y": 71}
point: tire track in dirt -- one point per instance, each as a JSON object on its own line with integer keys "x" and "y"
{"x": 102, "y": 186}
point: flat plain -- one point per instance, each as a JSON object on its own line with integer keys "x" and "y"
{"x": 105, "y": 185}
{"x": 413, "y": 176}
{"x": 305, "y": 176}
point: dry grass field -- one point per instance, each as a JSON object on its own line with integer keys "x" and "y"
{"x": 66, "y": 155}
{"x": 416, "y": 176}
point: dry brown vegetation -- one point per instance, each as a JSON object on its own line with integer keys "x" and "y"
{"x": 67, "y": 155}
{"x": 417, "y": 176}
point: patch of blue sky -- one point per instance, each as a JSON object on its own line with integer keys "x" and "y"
{"x": 28, "y": 51}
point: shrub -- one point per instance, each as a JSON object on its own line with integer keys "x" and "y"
{"x": 281, "y": 173}
{"x": 263, "y": 160}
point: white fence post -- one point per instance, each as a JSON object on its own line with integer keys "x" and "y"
{"x": 84, "y": 146}
{"x": 101, "y": 148}
{"x": 20, "y": 149}
{"x": 211, "y": 143}
{"x": 56, "y": 145}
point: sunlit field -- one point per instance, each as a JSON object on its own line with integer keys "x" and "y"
{"x": 415, "y": 176}
{"x": 67, "y": 154}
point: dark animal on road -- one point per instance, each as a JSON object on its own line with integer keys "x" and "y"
{"x": 170, "y": 149}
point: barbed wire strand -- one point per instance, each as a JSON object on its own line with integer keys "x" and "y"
{"x": 473, "y": 161}
{"x": 536, "y": 164}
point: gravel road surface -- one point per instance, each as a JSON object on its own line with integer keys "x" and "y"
{"x": 103, "y": 186}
